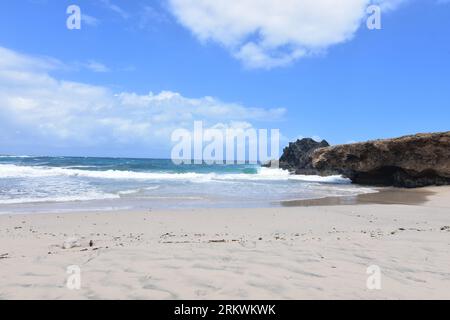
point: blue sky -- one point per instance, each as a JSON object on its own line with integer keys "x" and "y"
{"x": 86, "y": 92}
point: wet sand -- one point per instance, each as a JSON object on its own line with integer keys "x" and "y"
{"x": 383, "y": 196}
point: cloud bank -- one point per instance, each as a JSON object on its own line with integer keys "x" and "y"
{"x": 39, "y": 110}
{"x": 273, "y": 33}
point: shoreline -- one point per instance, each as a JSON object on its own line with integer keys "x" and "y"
{"x": 306, "y": 252}
{"x": 385, "y": 195}
{"x": 92, "y": 184}
{"x": 382, "y": 195}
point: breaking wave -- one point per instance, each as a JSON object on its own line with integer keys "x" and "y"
{"x": 263, "y": 174}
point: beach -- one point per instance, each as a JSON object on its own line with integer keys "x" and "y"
{"x": 224, "y": 150}
{"x": 300, "y": 250}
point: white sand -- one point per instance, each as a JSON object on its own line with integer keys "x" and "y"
{"x": 278, "y": 253}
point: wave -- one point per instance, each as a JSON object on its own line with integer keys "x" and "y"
{"x": 273, "y": 174}
{"x": 136, "y": 191}
{"x": 14, "y": 171}
{"x": 72, "y": 198}
{"x": 264, "y": 174}
{"x": 18, "y": 157}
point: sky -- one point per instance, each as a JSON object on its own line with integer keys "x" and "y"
{"x": 138, "y": 70}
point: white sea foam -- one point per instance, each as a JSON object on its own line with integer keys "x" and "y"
{"x": 135, "y": 191}
{"x": 264, "y": 174}
{"x": 127, "y": 192}
{"x": 14, "y": 171}
{"x": 72, "y": 198}
{"x": 21, "y": 184}
{"x": 9, "y": 156}
{"x": 283, "y": 175}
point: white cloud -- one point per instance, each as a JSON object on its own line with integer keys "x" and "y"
{"x": 389, "y": 4}
{"x": 47, "y": 111}
{"x": 11, "y": 60}
{"x": 271, "y": 33}
{"x": 115, "y": 8}
{"x": 96, "y": 66}
{"x": 148, "y": 16}
{"x": 89, "y": 20}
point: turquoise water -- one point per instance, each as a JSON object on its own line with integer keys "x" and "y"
{"x": 45, "y": 184}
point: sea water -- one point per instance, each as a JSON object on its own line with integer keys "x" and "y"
{"x": 47, "y": 184}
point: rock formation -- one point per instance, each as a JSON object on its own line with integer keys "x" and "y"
{"x": 297, "y": 156}
{"x": 410, "y": 161}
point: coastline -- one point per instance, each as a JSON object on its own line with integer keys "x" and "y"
{"x": 304, "y": 251}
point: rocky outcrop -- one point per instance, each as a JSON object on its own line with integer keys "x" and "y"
{"x": 297, "y": 157}
{"x": 410, "y": 161}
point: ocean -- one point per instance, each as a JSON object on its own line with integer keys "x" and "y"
{"x": 59, "y": 184}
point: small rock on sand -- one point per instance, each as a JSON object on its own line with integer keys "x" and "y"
{"x": 71, "y": 243}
